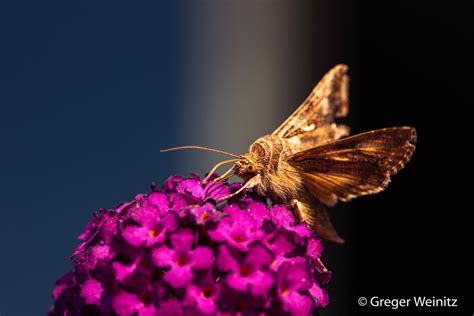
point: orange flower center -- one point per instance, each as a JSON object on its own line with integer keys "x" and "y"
{"x": 154, "y": 232}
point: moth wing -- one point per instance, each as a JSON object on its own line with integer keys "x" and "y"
{"x": 320, "y": 135}
{"x": 354, "y": 166}
{"x": 329, "y": 99}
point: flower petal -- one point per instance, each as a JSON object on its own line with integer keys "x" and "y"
{"x": 160, "y": 200}
{"x": 281, "y": 244}
{"x": 296, "y": 304}
{"x": 171, "y": 307}
{"x": 171, "y": 183}
{"x": 260, "y": 282}
{"x": 216, "y": 190}
{"x": 319, "y": 295}
{"x": 179, "y": 276}
{"x": 202, "y": 257}
{"x": 183, "y": 240}
{"x": 314, "y": 249}
{"x": 191, "y": 187}
{"x": 238, "y": 282}
{"x": 108, "y": 226}
{"x": 178, "y": 202}
{"x": 259, "y": 212}
{"x": 135, "y": 235}
{"x": 205, "y": 213}
{"x": 295, "y": 276}
{"x": 149, "y": 310}
{"x": 225, "y": 261}
{"x": 281, "y": 216}
{"x": 163, "y": 257}
{"x": 89, "y": 230}
{"x": 204, "y": 303}
{"x": 62, "y": 283}
{"x": 147, "y": 215}
{"x": 259, "y": 257}
{"x": 123, "y": 271}
{"x": 126, "y": 304}
{"x": 92, "y": 291}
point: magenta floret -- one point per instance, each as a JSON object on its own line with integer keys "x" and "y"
{"x": 176, "y": 252}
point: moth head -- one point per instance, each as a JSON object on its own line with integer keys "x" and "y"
{"x": 246, "y": 167}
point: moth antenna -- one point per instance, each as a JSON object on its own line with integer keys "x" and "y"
{"x": 215, "y": 168}
{"x": 200, "y": 148}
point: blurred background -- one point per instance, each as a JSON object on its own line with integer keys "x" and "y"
{"x": 90, "y": 91}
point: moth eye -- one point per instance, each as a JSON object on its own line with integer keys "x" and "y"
{"x": 250, "y": 168}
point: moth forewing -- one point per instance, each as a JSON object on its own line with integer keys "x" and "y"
{"x": 329, "y": 99}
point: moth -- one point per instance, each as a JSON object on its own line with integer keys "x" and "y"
{"x": 309, "y": 162}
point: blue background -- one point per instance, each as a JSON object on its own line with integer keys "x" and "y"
{"x": 88, "y": 94}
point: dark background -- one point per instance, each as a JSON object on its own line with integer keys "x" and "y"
{"x": 89, "y": 92}
{"x": 414, "y": 66}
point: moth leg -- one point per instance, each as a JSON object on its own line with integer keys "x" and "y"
{"x": 225, "y": 174}
{"x": 322, "y": 265}
{"x": 227, "y": 177}
{"x": 316, "y": 216}
{"x": 215, "y": 168}
{"x": 249, "y": 184}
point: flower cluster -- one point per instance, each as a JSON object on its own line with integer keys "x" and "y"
{"x": 176, "y": 252}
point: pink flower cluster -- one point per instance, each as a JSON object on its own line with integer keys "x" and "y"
{"x": 175, "y": 252}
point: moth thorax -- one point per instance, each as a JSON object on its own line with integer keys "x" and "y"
{"x": 267, "y": 151}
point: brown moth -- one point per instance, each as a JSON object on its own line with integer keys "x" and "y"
{"x": 309, "y": 163}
